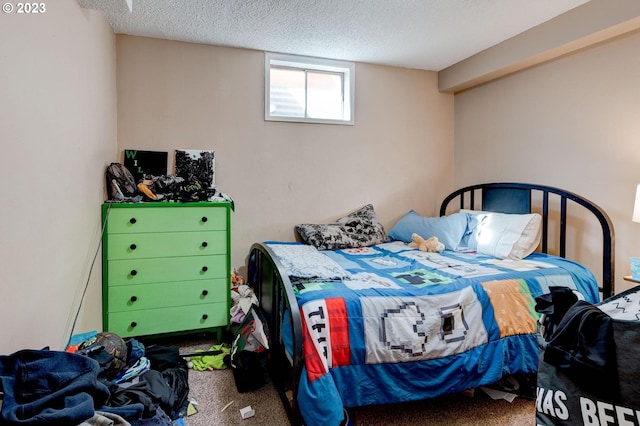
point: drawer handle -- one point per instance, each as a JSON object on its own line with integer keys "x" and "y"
{"x": 133, "y": 298}
{"x": 205, "y": 316}
{"x": 132, "y": 246}
{"x": 133, "y": 324}
{"x": 132, "y": 220}
{"x": 205, "y": 269}
{"x": 134, "y": 272}
{"x": 205, "y": 292}
{"x": 204, "y": 244}
{"x": 204, "y": 218}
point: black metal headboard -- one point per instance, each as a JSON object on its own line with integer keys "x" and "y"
{"x": 508, "y": 197}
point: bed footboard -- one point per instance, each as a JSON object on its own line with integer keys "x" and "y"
{"x": 278, "y": 303}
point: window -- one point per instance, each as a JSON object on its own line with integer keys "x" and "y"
{"x": 310, "y": 90}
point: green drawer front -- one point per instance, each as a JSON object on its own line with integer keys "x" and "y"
{"x": 142, "y": 271}
{"x": 138, "y": 246}
{"x": 167, "y": 219}
{"x": 167, "y": 320}
{"x": 150, "y": 296}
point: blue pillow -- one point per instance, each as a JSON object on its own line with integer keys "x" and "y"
{"x": 449, "y": 229}
{"x": 470, "y": 238}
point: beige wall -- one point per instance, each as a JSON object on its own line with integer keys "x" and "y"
{"x": 571, "y": 123}
{"x": 57, "y": 133}
{"x": 397, "y": 156}
{"x": 586, "y": 25}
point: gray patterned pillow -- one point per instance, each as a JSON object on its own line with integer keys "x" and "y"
{"x": 358, "y": 229}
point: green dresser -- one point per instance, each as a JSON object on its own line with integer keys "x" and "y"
{"x": 165, "y": 267}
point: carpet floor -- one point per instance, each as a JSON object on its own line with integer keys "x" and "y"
{"x": 218, "y": 403}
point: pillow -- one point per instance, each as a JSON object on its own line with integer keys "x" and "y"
{"x": 305, "y": 261}
{"x": 503, "y": 235}
{"x": 358, "y": 229}
{"x": 449, "y": 229}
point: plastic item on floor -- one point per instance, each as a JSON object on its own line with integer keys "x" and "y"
{"x": 247, "y": 412}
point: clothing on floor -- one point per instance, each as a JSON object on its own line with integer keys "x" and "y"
{"x": 52, "y": 387}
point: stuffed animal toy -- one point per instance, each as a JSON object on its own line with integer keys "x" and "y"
{"x": 431, "y": 245}
{"x": 236, "y": 279}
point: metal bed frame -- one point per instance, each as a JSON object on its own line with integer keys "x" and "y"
{"x": 508, "y": 197}
{"x": 275, "y": 292}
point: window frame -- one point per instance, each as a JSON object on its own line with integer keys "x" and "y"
{"x": 307, "y": 63}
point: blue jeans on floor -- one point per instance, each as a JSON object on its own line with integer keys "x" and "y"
{"x": 49, "y": 387}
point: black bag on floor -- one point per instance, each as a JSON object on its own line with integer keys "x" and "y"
{"x": 250, "y": 351}
{"x": 589, "y": 366}
{"x": 249, "y": 371}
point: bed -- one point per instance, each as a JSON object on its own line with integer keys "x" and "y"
{"x": 370, "y": 320}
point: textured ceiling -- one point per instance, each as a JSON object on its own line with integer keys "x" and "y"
{"x": 423, "y": 34}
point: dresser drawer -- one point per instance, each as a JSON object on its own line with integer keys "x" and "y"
{"x": 167, "y": 320}
{"x": 141, "y": 271}
{"x": 167, "y": 218}
{"x": 166, "y": 244}
{"x": 160, "y": 295}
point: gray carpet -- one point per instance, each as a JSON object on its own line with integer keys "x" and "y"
{"x": 213, "y": 390}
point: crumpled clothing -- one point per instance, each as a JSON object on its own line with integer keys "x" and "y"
{"x": 142, "y": 365}
{"x": 159, "y": 419}
{"x": 242, "y": 299}
{"x": 216, "y": 362}
{"x": 52, "y": 387}
{"x": 136, "y": 350}
{"x": 101, "y": 418}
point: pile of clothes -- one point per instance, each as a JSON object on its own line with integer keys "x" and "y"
{"x": 122, "y": 186}
{"x": 242, "y": 298}
{"x": 95, "y": 386}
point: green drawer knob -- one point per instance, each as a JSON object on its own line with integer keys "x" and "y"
{"x": 133, "y": 298}
{"x": 204, "y": 218}
{"x": 205, "y": 292}
{"x": 132, "y": 246}
{"x": 132, "y": 220}
{"x": 205, "y": 316}
{"x": 133, "y": 324}
{"x": 205, "y": 269}
{"x": 204, "y": 244}
{"x": 134, "y": 272}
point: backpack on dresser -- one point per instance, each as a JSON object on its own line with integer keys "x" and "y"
{"x": 120, "y": 182}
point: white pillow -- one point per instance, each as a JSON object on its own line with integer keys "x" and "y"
{"x": 304, "y": 261}
{"x": 503, "y": 235}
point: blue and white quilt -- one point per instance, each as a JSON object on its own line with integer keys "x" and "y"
{"x": 389, "y": 323}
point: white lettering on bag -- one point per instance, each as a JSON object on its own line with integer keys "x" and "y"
{"x": 598, "y": 413}
{"x": 552, "y": 403}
